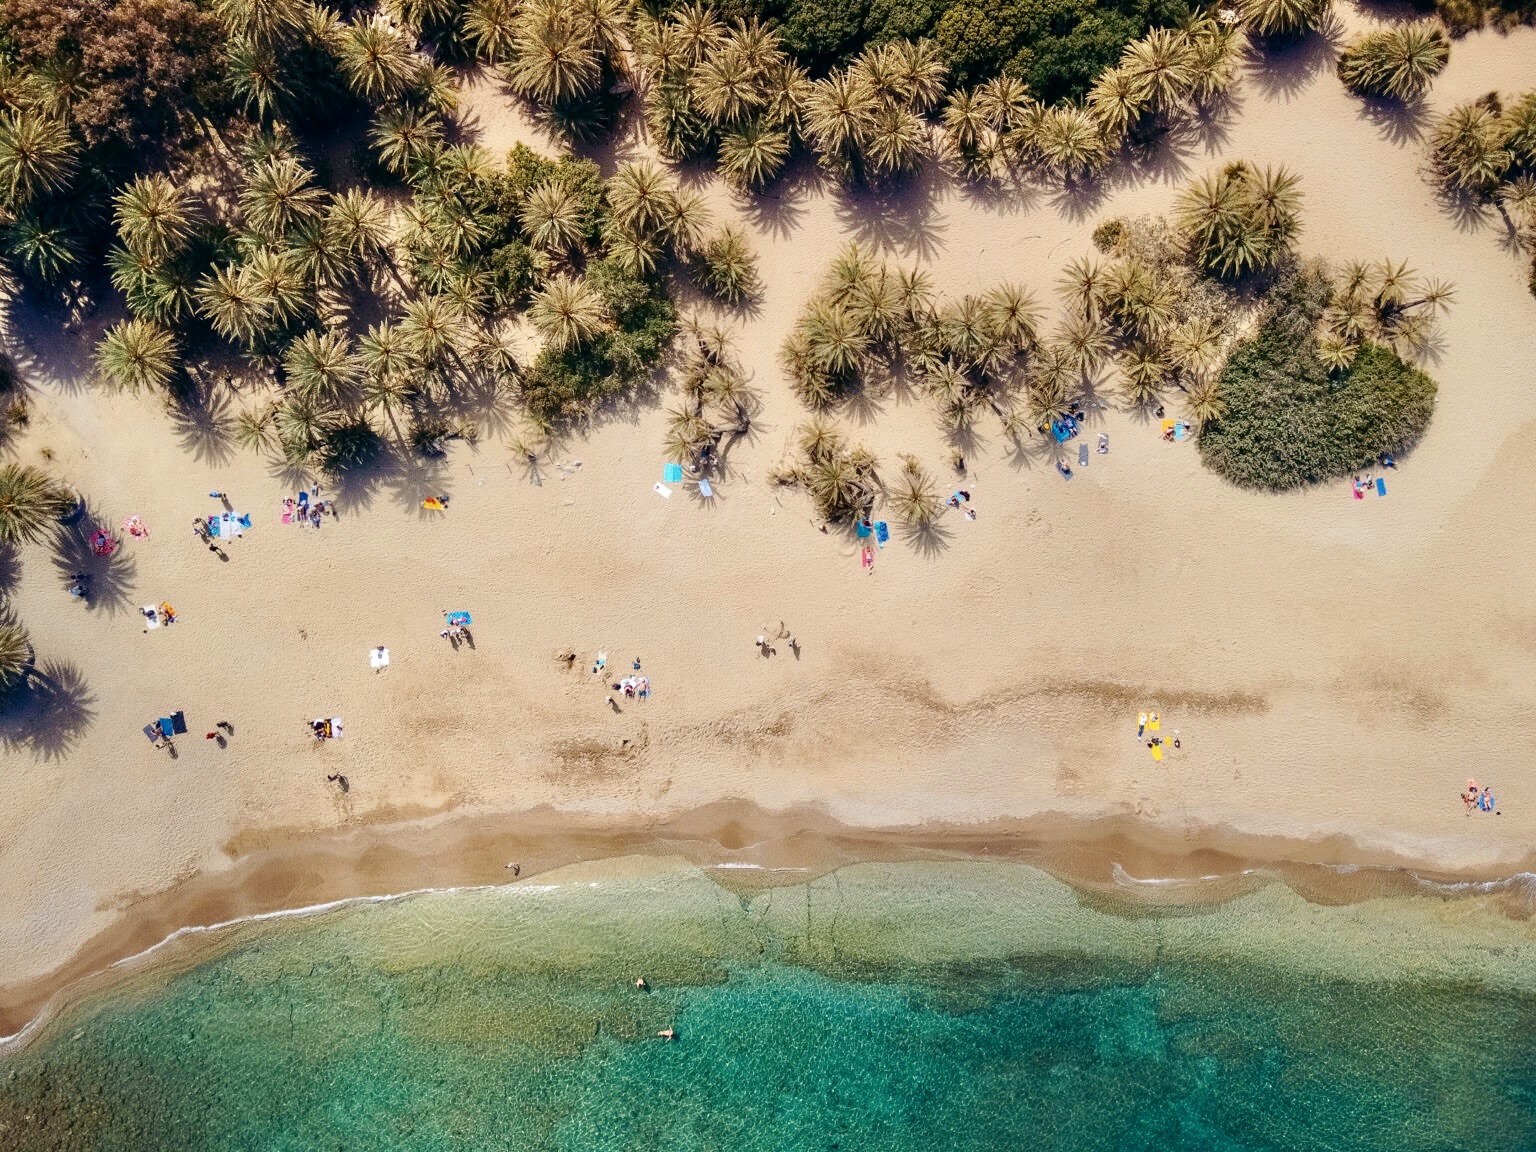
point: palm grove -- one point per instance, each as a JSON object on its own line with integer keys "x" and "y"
{"x": 198, "y": 154}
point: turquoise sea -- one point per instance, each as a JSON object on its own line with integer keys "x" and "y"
{"x": 880, "y": 1008}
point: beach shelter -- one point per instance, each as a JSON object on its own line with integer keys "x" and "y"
{"x": 378, "y": 658}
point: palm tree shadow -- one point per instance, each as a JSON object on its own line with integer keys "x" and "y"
{"x": 1400, "y": 123}
{"x": 898, "y": 216}
{"x": 779, "y": 208}
{"x": 413, "y": 479}
{"x": 204, "y": 426}
{"x": 1284, "y": 69}
{"x": 10, "y": 568}
{"x": 930, "y": 540}
{"x": 110, "y": 578}
{"x": 48, "y": 712}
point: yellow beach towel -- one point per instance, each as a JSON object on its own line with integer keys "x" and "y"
{"x": 433, "y": 503}
{"x": 1157, "y": 751}
{"x": 1153, "y": 722}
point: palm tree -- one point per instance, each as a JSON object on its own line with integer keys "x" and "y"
{"x": 321, "y": 255}
{"x": 699, "y": 29}
{"x": 30, "y": 500}
{"x": 730, "y": 267}
{"x": 421, "y": 15}
{"x": 1006, "y": 103}
{"x": 1118, "y": 100}
{"x": 641, "y": 197}
{"x": 555, "y": 55}
{"x": 15, "y": 656}
{"x": 837, "y": 487}
{"x": 727, "y": 86}
{"x": 1083, "y": 284}
{"x": 1196, "y": 347}
{"x": 431, "y": 329}
{"x": 687, "y": 434}
{"x": 376, "y": 59}
{"x": 263, "y": 21}
{"x": 492, "y": 26}
{"x": 383, "y": 354}
{"x": 301, "y": 424}
{"x": 45, "y": 245}
{"x": 1282, "y": 18}
{"x": 322, "y": 369}
{"x": 1013, "y": 315}
{"x": 359, "y": 220}
{"x": 687, "y": 223}
{"x": 37, "y": 154}
{"x": 229, "y": 300}
{"x": 914, "y": 498}
{"x": 551, "y": 216}
{"x": 834, "y": 340}
{"x": 1466, "y": 148}
{"x": 278, "y": 276}
{"x": 819, "y": 439}
{"x": 1337, "y": 353}
{"x": 1398, "y": 62}
{"x": 1518, "y": 131}
{"x": 921, "y": 72}
{"x": 964, "y": 121}
{"x": 135, "y": 354}
{"x": 753, "y": 154}
{"x": 838, "y": 113}
{"x": 1083, "y": 344}
{"x": 1274, "y": 199}
{"x": 403, "y": 136}
{"x": 1161, "y": 65}
{"x": 254, "y": 76}
{"x": 1215, "y": 48}
{"x": 280, "y": 194}
{"x": 1516, "y": 199}
{"x": 153, "y": 216}
{"x": 637, "y": 255}
{"x": 1144, "y": 367}
{"x": 1069, "y": 142}
{"x": 568, "y": 312}
{"x": 1205, "y": 401}
{"x": 896, "y": 143}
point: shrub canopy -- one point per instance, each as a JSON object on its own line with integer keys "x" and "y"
{"x": 1288, "y": 422}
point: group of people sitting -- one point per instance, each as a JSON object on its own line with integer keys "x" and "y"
{"x": 1479, "y": 798}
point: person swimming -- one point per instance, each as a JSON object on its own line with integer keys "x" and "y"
{"x": 668, "y": 1033}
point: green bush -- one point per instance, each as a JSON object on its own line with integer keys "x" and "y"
{"x": 1058, "y": 46}
{"x": 570, "y": 383}
{"x": 1288, "y": 422}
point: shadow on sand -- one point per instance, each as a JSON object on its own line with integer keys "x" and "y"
{"x": 46, "y": 715}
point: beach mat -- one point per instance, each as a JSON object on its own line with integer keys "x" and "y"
{"x": 1381, "y": 486}
{"x": 705, "y": 490}
{"x": 882, "y": 532}
{"x": 1082, "y": 455}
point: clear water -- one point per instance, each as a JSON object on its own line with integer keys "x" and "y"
{"x": 907, "y": 1007}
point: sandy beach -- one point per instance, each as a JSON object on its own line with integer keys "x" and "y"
{"x": 1335, "y": 668}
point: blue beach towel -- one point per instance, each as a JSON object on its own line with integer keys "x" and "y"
{"x": 882, "y": 532}
{"x": 672, "y": 473}
{"x": 862, "y": 529}
{"x": 1381, "y": 486}
{"x": 213, "y": 525}
{"x": 245, "y": 520}
{"x": 166, "y": 726}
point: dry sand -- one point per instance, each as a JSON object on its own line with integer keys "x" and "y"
{"x": 1336, "y": 668}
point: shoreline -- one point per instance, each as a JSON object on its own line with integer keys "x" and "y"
{"x": 1114, "y": 860}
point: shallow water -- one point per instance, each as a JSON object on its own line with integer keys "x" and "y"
{"x": 897, "y": 1006}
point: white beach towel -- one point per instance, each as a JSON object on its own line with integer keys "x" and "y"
{"x": 378, "y": 658}
{"x": 335, "y": 727}
{"x": 661, "y": 490}
{"x": 151, "y": 617}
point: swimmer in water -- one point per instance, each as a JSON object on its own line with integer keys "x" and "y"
{"x": 641, "y": 984}
{"x": 668, "y": 1034}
